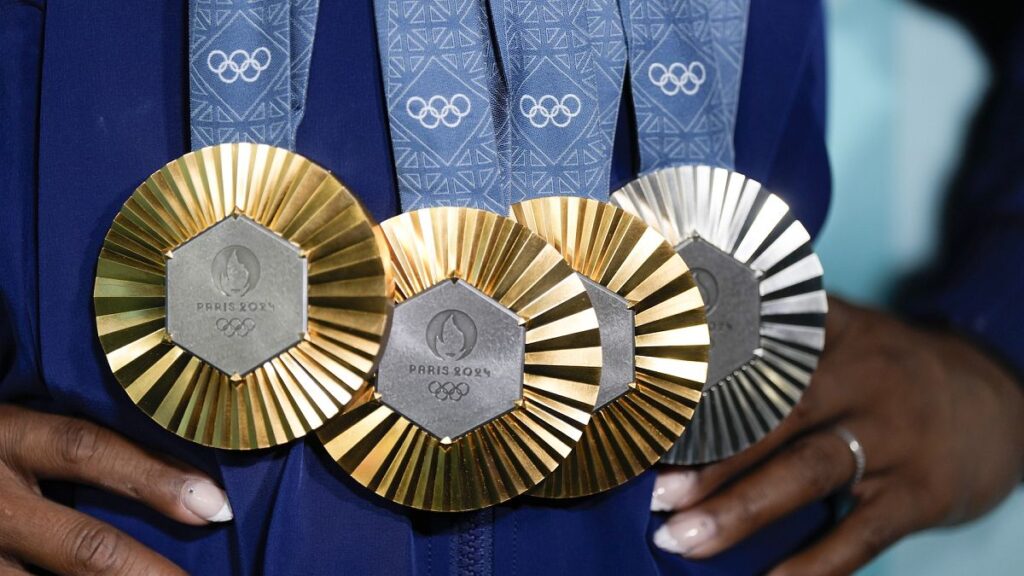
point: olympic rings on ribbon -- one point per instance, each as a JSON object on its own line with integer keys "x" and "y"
{"x": 549, "y": 109}
{"x": 236, "y": 326}
{"x": 448, "y": 390}
{"x": 678, "y": 77}
{"x": 439, "y": 110}
{"x": 239, "y": 64}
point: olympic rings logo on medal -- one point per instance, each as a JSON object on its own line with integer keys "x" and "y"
{"x": 232, "y": 327}
{"x": 678, "y": 77}
{"x": 439, "y": 110}
{"x": 445, "y": 391}
{"x": 548, "y": 109}
{"x": 238, "y": 64}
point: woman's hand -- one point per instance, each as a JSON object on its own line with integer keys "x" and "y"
{"x": 941, "y": 425}
{"x": 37, "y": 532}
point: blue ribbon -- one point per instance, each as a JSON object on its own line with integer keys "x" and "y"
{"x": 468, "y": 132}
{"x": 685, "y": 60}
{"x": 302, "y": 30}
{"x": 248, "y": 69}
{"x": 564, "y": 62}
{"x": 443, "y": 89}
{"x": 729, "y": 32}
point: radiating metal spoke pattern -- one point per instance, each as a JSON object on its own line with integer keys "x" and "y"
{"x": 400, "y": 460}
{"x": 670, "y": 336}
{"x": 350, "y": 296}
{"x": 755, "y": 229}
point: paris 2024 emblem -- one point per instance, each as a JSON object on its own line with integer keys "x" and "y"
{"x": 451, "y": 335}
{"x": 236, "y": 271}
{"x": 454, "y": 359}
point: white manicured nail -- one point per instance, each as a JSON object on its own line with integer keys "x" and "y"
{"x": 672, "y": 490}
{"x": 663, "y": 539}
{"x": 206, "y": 501}
{"x": 684, "y": 535}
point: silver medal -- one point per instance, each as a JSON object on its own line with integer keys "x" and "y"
{"x": 762, "y": 286}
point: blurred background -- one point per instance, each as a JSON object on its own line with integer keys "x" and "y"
{"x": 904, "y": 83}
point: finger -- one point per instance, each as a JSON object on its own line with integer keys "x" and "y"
{"x": 841, "y": 316}
{"x": 872, "y": 527}
{"x": 826, "y": 399}
{"x": 10, "y": 566}
{"x": 810, "y": 469}
{"x": 677, "y": 487}
{"x": 61, "y": 540}
{"x": 60, "y": 448}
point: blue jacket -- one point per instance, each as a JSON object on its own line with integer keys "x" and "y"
{"x": 93, "y": 98}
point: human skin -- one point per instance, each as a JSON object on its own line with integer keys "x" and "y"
{"x": 940, "y": 422}
{"x": 35, "y": 531}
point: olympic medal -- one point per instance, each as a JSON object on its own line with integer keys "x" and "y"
{"x": 490, "y": 373}
{"x": 242, "y": 295}
{"x": 762, "y": 285}
{"x": 654, "y": 339}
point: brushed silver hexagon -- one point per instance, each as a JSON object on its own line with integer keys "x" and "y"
{"x": 236, "y": 295}
{"x": 732, "y": 303}
{"x": 453, "y": 361}
{"x": 617, "y": 328}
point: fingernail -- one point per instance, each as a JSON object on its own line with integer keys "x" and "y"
{"x": 684, "y": 536}
{"x": 206, "y": 501}
{"x": 672, "y": 489}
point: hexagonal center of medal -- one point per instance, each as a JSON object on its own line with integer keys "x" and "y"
{"x": 732, "y": 302}
{"x": 617, "y": 329}
{"x": 236, "y": 295}
{"x": 453, "y": 361}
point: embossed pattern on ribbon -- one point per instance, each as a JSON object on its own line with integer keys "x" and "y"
{"x": 563, "y": 61}
{"x": 440, "y": 78}
{"x": 240, "y": 77}
{"x": 609, "y": 45}
{"x": 302, "y": 29}
{"x": 729, "y": 31}
{"x": 686, "y": 58}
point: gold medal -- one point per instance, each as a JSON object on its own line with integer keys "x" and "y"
{"x": 653, "y": 333}
{"x": 490, "y": 373}
{"x": 241, "y": 296}
{"x": 762, "y": 284}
